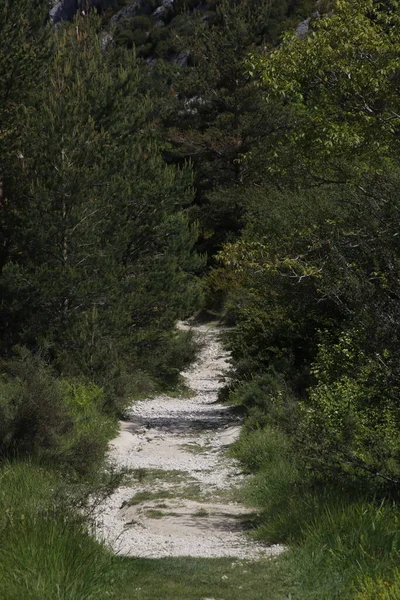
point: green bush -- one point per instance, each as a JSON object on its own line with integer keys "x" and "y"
{"x": 60, "y": 421}
{"x": 33, "y": 412}
{"x": 171, "y": 354}
{"x": 268, "y": 401}
{"x": 141, "y": 22}
{"x": 139, "y": 37}
{"x": 124, "y": 37}
{"x": 351, "y": 420}
{"x": 83, "y": 450}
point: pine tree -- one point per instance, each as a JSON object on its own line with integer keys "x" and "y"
{"x": 99, "y": 222}
{"x": 220, "y": 117}
{"x": 23, "y": 36}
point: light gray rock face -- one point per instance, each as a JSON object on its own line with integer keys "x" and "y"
{"x": 182, "y": 58}
{"x": 303, "y": 27}
{"x": 141, "y": 7}
{"x": 130, "y": 11}
{"x": 162, "y": 10}
{"x": 64, "y": 10}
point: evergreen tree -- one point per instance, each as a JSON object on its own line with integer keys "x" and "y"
{"x": 23, "y": 51}
{"x": 101, "y": 251}
{"x": 219, "y": 115}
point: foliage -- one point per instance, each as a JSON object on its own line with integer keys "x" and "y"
{"x": 351, "y": 420}
{"x": 99, "y": 258}
{"x": 33, "y": 412}
{"x": 349, "y": 544}
{"x": 342, "y": 82}
{"x": 60, "y": 421}
{"x": 343, "y": 544}
{"x": 268, "y": 402}
{"x": 46, "y": 551}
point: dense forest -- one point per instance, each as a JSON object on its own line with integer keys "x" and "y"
{"x": 158, "y": 159}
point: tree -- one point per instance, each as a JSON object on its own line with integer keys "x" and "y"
{"x": 314, "y": 278}
{"x": 342, "y": 82}
{"x": 217, "y": 114}
{"x": 23, "y": 50}
{"x": 99, "y": 215}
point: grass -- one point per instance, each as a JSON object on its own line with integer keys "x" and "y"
{"x": 46, "y": 552}
{"x": 189, "y": 491}
{"x": 155, "y": 514}
{"x": 179, "y": 390}
{"x": 200, "y": 578}
{"x": 345, "y": 544}
{"x": 144, "y": 475}
{"x": 201, "y": 513}
{"x": 195, "y": 448}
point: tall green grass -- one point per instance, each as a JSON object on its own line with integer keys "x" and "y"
{"x": 344, "y": 543}
{"x": 46, "y": 550}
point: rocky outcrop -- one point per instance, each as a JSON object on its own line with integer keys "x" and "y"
{"x": 65, "y": 10}
{"x": 162, "y": 10}
{"x": 140, "y": 7}
{"x": 303, "y": 27}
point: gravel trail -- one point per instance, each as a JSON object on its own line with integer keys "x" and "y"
{"x": 180, "y": 501}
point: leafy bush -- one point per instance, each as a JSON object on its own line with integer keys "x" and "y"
{"x": 351, "y": 421}
{"x": 60, "y": 421}
{"x": 33, "y": 412}
{"x": 83, "y": 450}
{"x": 268, "y": 401}
{"x": 171, "y": 354}
{"x": 139, "y": 37}
{"x": 141, "y": 22}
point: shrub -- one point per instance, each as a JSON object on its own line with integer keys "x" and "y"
{"x": 124, "y": 37}
{"x": 60, "y": 421}
{"x": 139, "y": 37}
{"x": 141, "y": 22}
{"x": 33, "y": 413}
{"x": 171, "y": 354}
{"x": 351, "y": 421}
{"x": 269, "y": 401}
{"x": 83, "y": 450}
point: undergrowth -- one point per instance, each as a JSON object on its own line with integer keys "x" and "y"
{"x": 46, "y": 550}
{"x": 344, "y": 543}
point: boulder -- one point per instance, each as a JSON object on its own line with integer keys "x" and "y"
{"x": 163, "y": 10}
{"x": 63, "y": 11}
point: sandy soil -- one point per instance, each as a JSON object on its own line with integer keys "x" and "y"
{"x": 180, "y": 502}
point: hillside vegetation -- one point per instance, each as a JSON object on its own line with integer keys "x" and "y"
{"x": 214, "y": 162}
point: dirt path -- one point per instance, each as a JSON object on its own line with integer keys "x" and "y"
{"x": 180, "y": 501}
